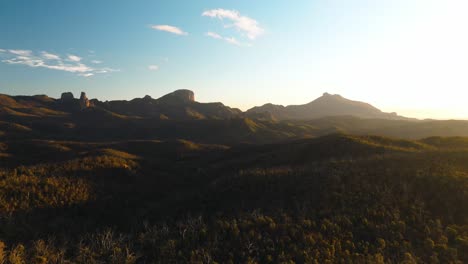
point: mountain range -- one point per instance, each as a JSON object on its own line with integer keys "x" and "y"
{"x": 179, "y": 116}
{"x": 181, "y": 105}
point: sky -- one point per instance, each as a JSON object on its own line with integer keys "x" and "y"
{"x": 405, "y": 56}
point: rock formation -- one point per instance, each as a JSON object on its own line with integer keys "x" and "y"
{"x": 179, "y": 96}
{"x": 84, "y": 102}
{"x": 67, "y": 97}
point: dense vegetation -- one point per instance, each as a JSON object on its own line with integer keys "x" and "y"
{"x": 334, "y": 199}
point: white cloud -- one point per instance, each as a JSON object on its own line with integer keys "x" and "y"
{"x": 74, "y": 58}
{"x": 213, "y": 35}
{"x": 170, "y": 29}
{"x": 106, "y": 70}
{"x": 153, "y": 67}
{"x": 21, "y": 52}
{"x": 2, "y": 50}
{"x": 230, "y": 40}
{"x": 86, "y": 74}
{"x": 245, "y": 24}
{"x": 77, "y": 68}
{"x": 51, "y": 61}
{"x": 49, "y": 56}
{"x": 96, "y": 61}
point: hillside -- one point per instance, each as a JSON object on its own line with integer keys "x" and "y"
{"x": 336, "y": 198}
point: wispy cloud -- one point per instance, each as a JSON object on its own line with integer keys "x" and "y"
{"x": 85, "y": 74}
{"x": 230, "y": 40}
{"x": 233, "y": 41}
{"x": 2, "y": 50}
{"x": 105, "y": 70}
{"x": 49, "y": 56}
{"x": 47, "y": 60}
{"x": 21, "y": 52}
{"x": 249, "y": 26}
{"x": 170, "y": 29}
{"x": 96, "y": 61}
{"x": 213, "y": 35}
{"x": 74, "y": 58}
{"x": 153, "y": 67}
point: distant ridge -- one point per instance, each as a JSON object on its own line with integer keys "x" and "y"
{"x": 178, "y": 115}
{"x": 326, "y": 105}
{"x": 181, "y": 105}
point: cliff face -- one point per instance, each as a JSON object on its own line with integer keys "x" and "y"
{"x": 179, "y": 96}
{"x": 84, "y": 102}
{"x": 68, "y": 101}
{"x": 67, "y": 97}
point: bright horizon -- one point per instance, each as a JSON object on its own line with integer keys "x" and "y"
{"x": 409, "y": 57}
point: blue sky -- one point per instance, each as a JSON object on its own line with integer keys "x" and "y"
{"x": 407, "y": 56}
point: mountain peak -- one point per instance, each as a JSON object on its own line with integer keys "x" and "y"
{"x": 328, "y": 95}
{"x": 185, "y": 96}
{"x": 324, "y": 106}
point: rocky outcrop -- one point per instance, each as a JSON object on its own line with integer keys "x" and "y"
{"x": 67, "y": 97}
{"x": 179, "y": 96}
{"x": 84, "y": 101}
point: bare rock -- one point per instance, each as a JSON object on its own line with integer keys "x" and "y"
{"x": 67, "y": 97}
{"x": 179, "y": 96}
{"x": 84, "y": 101}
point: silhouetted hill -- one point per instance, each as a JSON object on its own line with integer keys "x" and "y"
{"x": 326, "y": 105}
